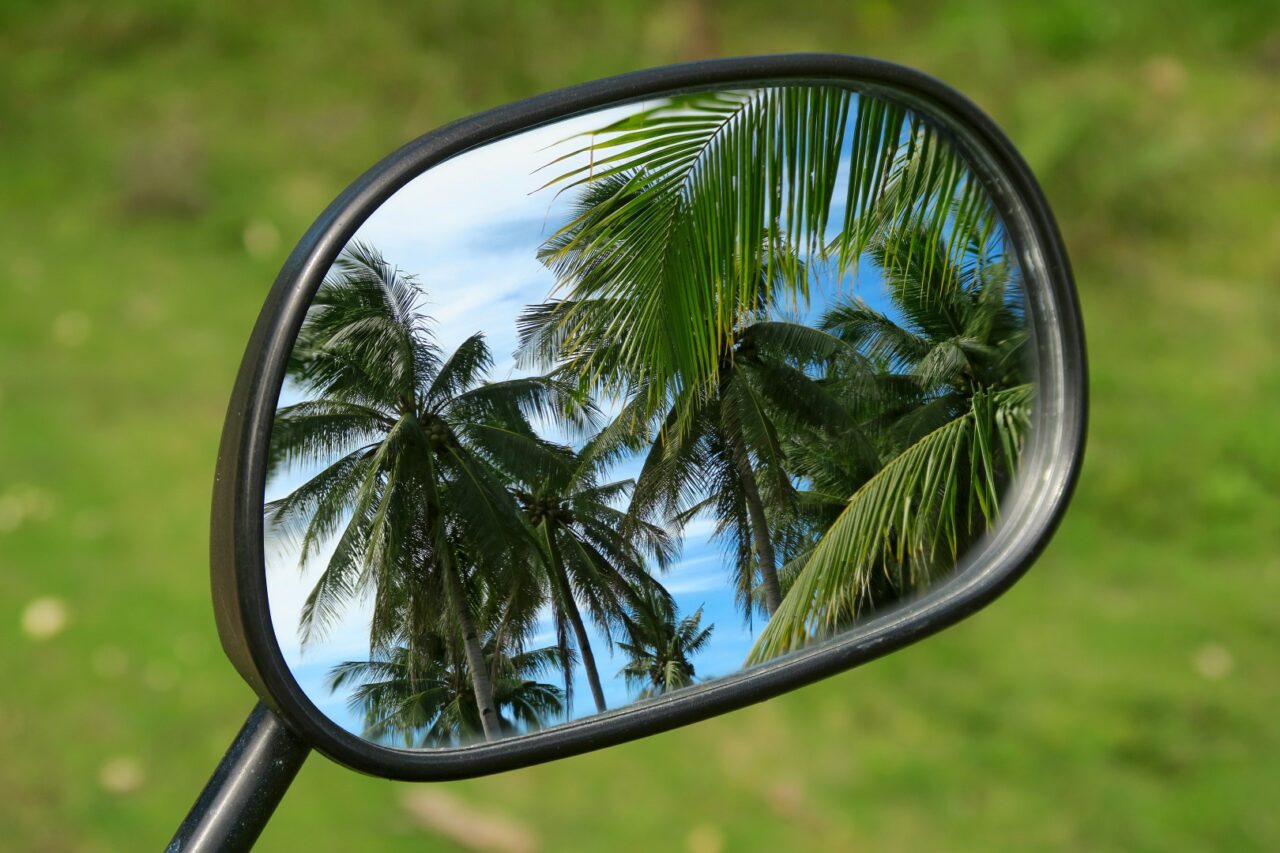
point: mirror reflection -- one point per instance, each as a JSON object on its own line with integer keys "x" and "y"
{"x": 629, "y": 402}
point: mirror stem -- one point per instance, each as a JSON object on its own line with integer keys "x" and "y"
{"x": 245, "y": 788}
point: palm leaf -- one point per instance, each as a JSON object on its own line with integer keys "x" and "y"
{"x": 901, "y": 516}
{"x": 691, "y": 189}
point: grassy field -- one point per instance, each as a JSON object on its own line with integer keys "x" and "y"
{"x": 156, "y": 165}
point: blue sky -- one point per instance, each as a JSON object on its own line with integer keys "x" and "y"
{"x": 469, "y": 229}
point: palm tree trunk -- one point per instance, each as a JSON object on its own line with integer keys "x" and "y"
{"x": 562, "y": 643}
{"x": 759, "y": 531}
{"x": 588, "y": 657}
{"x": 480, "y": 683}
{"x": 575, "y": 619}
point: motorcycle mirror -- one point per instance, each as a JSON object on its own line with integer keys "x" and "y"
{"x": 631, "y": 404}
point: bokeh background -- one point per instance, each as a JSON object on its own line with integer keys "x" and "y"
{"x": 158, "y": 161}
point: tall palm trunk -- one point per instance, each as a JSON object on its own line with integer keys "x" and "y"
{"x": 480, "y": 683}
{"x": 759, "y": 527}
{"x": 570, "y": 608}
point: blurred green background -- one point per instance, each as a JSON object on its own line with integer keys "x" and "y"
{"x": 157, "y": 162}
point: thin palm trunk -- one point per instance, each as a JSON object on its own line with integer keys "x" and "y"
{"x": 570, "y": 608}
{"x": 759, "y": 528}
{"x": 480, "y": 682}
{"x": 755, "y": 508}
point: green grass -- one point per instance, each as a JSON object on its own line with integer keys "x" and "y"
{"x": 139, "y": 143}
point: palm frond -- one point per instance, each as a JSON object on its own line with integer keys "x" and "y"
{"x": 461, "y": 371}
{"x": 919, "y": 501}
{"x": 681, "y": 198}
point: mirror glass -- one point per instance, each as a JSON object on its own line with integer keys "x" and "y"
{"x": 626, "y": 403}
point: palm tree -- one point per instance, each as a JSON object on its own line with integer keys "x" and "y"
{"x": 693, "y": 219}
{"x": 730, "y": 459}
{"x": 594, "y": 554}
{"x": 424, "y": 698}
{"x": 410, "y": 444}
{"x": 656, "y": 271}
{"x": 660, "y": 646}
{"x": 717, "y": 449}
{"x": 949, "y": 446}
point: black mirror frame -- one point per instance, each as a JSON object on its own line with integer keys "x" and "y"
{"x": 1030, "y": 517}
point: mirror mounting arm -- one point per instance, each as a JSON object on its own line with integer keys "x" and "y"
{"x": 245, "y": 788}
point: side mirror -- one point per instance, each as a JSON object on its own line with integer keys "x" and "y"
{"x": 629, "y": 405}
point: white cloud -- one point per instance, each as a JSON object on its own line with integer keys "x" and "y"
{"x": 287, "y": 591}
{"x": 700, "y": 528}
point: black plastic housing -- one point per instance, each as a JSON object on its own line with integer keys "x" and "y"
{"x": 1051, "y": 461}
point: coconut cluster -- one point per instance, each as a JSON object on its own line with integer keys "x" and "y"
{"x": 438, "y": 434}
{"x": 549, "y": 509}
